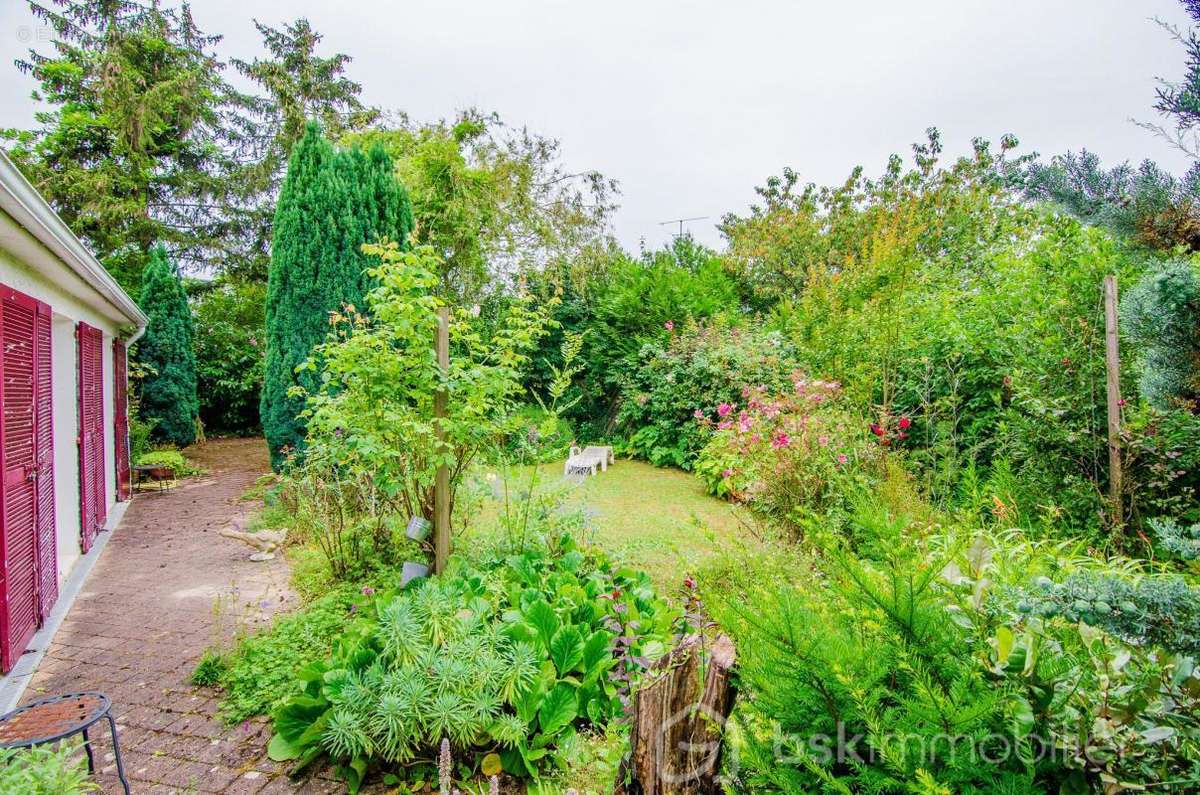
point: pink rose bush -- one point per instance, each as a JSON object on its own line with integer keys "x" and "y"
{"x": 787, "y": 454}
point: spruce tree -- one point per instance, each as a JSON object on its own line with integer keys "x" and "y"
{"x": 331, "y": 203}
{"x": 166, "y": 352}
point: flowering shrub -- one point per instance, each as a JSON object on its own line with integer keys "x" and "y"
{"x": 788, "y": 455}
{"x": 704, "y": 365}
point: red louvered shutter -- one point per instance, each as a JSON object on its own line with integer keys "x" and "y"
{"x": 18, "y": 492}
{"x": 121, "y": 419}
{"x": 91, "y": 433}
{"x": 47, "y": 530}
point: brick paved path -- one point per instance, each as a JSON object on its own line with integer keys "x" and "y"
{"x": 146, "y": 615}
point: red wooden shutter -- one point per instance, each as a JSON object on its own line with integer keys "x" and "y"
{"x": 121, "y": 419}
{"x": 18, "y": 492}
{"x": 92, "y": 501}
{"x": 47, "y": 530}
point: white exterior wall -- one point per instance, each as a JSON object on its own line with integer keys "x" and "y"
{"x": 68, "y": 310}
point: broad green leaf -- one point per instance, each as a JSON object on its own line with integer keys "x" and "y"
{"x": 596, "y": 650}
{"x": 281, "y": 750}
{"x": 566, "y": 650}
{"x": 542, "y": 618}
{"x": 557, "y": 709}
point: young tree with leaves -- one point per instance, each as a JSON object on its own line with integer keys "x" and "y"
{"x": 332, "y": 202}
{"x": 167, "y": 355}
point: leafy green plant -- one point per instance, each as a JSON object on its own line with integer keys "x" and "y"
{"x": 57, "y": 769}
{"x": 698, "y": 368}
{"x": 171, "y": 458}
{"x": 209, "y": 670}
{"x": 510, "y": 658}
{"x": 260, "y": 672}
{"x": 374, "y": 441}
{"x": 791, "y": 456}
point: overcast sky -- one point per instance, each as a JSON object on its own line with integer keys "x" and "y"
{"x": 689, "y": 105}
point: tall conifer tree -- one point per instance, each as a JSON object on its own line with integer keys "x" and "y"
{"x": 330, "y": 204}
{"x": 166, "y": 351}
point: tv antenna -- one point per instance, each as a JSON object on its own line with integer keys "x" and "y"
{"x": 682, "y": 221}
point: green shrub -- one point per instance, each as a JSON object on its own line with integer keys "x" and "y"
{"x": 698, "y": 368}
{"x": 58, "y": 769}
{"x": 1161, "y": 314}
{"x": 792, "y": 457}
{"x": 373, "y": 446}
{"x": 539, "y": 436}
{"x": 510, "y": 658}
{"x": 166, "y": 355}
{"x": 230, "y": 318}
{"x": 1149, "y": 611}
{"x": 332, "y": 203}
{"x": 913, "y": 670}
{"x": 260, "y": 673}
{"x": 170, "y": 458}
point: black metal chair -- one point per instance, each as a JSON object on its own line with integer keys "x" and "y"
{"x": 55, "y": 718}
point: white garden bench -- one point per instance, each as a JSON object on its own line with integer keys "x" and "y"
{"x": 588, "y": 460}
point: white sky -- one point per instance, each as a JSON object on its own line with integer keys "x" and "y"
{"x": 691, "y": 104}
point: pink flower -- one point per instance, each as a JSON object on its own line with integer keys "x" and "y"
{"x": 368, "y": 590}
{"x": 755, "y": 438}
{"x": 841, "y": 459}
{"x": 669, "y": 325}
{"x": 744, "y": 424}
{"x": 724, "y": 410}
{"x": 781, "y": 440}
{"x": 904, "y": 423}
{"x": 823, "y": 440}
{"x": 728, "y": 473}
{"x": 698, "y": 414}
{"x": 724, "y": 425}
{"x": 875, "y": 429}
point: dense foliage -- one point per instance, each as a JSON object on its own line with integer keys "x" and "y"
{"x": 699, "y": 367}
{"x": 58, "y": 769}
{"x": 373, "y": 435}
{"x": 505, "y": 658}
{"x": 910, "y": 666}
{"x": 166, "y": 353}
{"x": 1162, "y": 315}
{"x": 230, "y": 332}
{"x": 332, "y": 203}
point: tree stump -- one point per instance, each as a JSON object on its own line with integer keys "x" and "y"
{"x": 678, "y": 721}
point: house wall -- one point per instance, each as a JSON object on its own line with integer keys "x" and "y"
{"x": 20, "y": 275}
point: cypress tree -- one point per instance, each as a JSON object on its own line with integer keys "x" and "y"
{"x": 166, "y": 351}
{"x": 330, "y": 204}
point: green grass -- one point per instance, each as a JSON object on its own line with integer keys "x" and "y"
{"x": 657, "y": 520}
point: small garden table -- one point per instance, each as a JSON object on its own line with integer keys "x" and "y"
{"x": 163, "y": 476}
{"x": 55, "y": 718}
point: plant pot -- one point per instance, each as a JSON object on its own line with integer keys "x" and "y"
{"x": 418, "y": 528}
{"x": 412, "y": 571}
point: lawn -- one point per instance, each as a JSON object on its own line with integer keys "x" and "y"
{"x": 655, "y": 519}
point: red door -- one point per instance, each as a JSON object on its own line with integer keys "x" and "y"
{"x": 121, "y": 419}
{"x": 26, "y": 503}
{"x": 92, "y": 503}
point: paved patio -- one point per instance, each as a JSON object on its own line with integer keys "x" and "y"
{"x": 146, "y": 615}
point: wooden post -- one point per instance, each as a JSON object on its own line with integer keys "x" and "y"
{"x": 441, "y": 485}
{"x": 1112, "y": 361}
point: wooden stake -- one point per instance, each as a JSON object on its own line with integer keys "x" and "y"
{"x": 441, "y": 485}
{"x": 1112, "y": 361}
